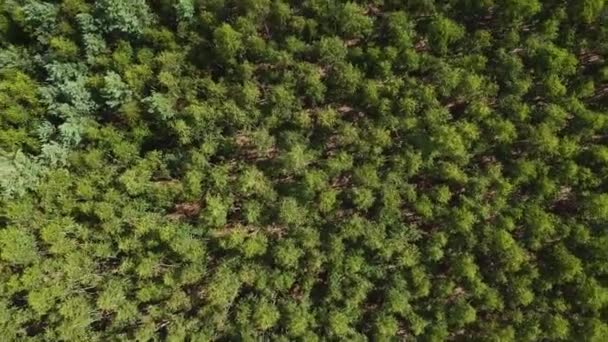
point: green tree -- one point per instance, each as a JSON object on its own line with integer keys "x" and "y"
{"x": 228, "y": 42}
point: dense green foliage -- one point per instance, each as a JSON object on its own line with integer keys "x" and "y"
{"x": 195, "y": 170}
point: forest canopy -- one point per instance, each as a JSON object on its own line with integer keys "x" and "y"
{"x": 315, "y": 170}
